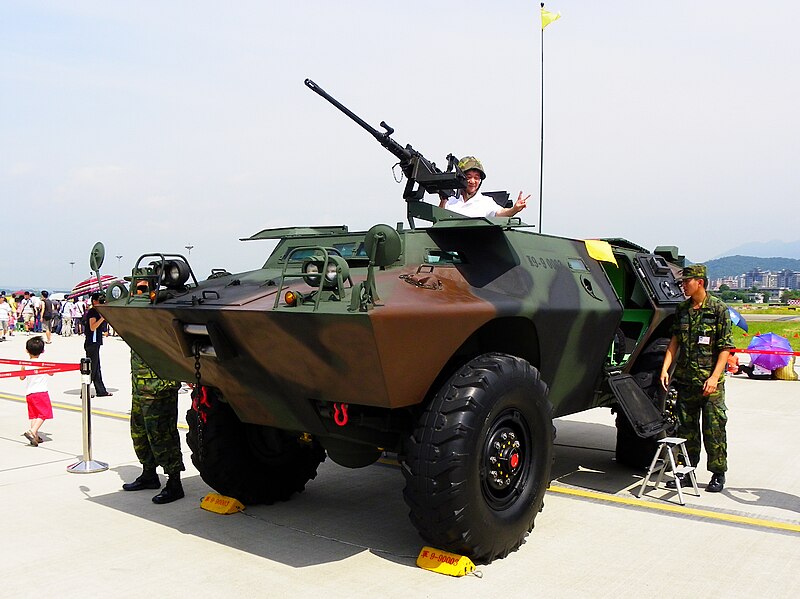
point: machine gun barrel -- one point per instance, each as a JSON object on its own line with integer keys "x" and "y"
{"x": 419, "y": 171}
{"x": 402, "y": 154}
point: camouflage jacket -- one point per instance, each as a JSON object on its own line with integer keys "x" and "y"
{"x": 702, "y": 334}
{"x": 145, "y": 382}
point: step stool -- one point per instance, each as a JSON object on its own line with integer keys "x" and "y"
{"x": 665, "y": 458}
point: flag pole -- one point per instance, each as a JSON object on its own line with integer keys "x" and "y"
{"x": 541, "y": 138}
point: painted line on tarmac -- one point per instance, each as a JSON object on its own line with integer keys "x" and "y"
{"x": 677, "y": 509}
{"x": 641, "y": 503}
{"x": 73, "y": 408}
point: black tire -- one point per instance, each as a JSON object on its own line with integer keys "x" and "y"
{"x": 254, "y": 464}
{"x": 455, "y": 503}
{"x": 631, "y": 449}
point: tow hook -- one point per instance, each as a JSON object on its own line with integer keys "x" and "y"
{"x": 340, "y": 413}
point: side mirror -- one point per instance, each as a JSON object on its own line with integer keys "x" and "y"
{"x": 97, "y": 256}
{"x": 383, "y": 246}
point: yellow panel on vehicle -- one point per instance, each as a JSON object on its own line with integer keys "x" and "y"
{"x": 220, "y": 504}
{"x": 444, "y": 562}
{"x": 600, "y": 250}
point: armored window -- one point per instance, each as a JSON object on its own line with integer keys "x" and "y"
{"x": 443, "y": 257}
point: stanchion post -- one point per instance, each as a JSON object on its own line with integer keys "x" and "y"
{"x": 87, "y": 465}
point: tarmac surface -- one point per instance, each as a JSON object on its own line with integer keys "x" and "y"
{"x": 348, "y": 534}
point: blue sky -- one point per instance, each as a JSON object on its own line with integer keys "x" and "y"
{"x": 156, "y": 125}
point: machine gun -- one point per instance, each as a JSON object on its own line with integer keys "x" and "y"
{"x": 422, "y": 174}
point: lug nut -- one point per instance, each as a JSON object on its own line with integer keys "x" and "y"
{"x": 504, "y": 436}
{"x": 512, "y": 436}
{"x": 493, "y": 459}
{"x": 497, "y": 445}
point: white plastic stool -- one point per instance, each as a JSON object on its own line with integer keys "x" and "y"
{"x": 664, "y": 458}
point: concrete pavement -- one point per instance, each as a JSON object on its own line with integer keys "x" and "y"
{"x": 348, "y": 534}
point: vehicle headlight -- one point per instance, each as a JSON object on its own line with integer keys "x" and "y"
{"x": 331, "y": 272}
{"x": 309, "y": 269}
{"x": 175, "y": 274}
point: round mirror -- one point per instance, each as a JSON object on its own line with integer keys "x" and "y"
{"x": 383, "y": 245}
{"x": 97, "y": 255}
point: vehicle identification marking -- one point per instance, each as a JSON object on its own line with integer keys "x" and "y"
{"x": 541, "y": 262}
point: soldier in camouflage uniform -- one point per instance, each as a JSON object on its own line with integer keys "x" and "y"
{"x": 702, "y": 332}
{"x": 154, "y": 428}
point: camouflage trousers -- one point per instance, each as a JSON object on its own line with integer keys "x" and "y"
{"x": 691, "y": 406}
{"x": 154, "y": 430}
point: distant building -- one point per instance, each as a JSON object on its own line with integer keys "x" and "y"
{"x": 788, "y": 279}
{"x": 774, "y": 283}
{"x": 757, "y": 278}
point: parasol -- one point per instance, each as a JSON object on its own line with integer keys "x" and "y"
{"x": 770, "y": 342}
{"x": 90, "y": 285}
{"x": 737, "y": 319}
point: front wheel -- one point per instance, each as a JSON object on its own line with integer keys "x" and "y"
{"x": 478, "y": 463}
{"x": 254, "y": 464}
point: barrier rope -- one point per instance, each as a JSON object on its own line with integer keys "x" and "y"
{"x": 37, "y": 367}
{"x": 775, "y": 352}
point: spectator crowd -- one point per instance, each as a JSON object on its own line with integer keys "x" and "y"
{"x": 29, "y": 313}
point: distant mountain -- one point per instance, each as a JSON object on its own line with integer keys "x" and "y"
{"x": 732, "y": 266}
{"x": 766, "y": 249}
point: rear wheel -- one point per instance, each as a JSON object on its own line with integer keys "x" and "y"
{"x": 254, "y": 464}
{"x": 478, "y": 463}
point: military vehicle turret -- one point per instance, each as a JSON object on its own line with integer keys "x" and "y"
{"x": 452, "y": 343}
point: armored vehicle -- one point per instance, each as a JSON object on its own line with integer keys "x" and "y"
{"x": 452, "y": 343}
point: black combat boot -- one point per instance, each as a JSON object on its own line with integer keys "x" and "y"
{"x": 172, "y": 491}
{"x": 716, "y": 483}
{"x": 148, "y": 479}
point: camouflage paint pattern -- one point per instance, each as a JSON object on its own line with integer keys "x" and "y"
{"x": 154, "y": 418}
{"x": 711, "y": 322}
{"x": 692, "y": 405}
{"x": 510, "y": 290}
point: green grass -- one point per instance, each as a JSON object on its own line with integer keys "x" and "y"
{"x": 784, "y": 329}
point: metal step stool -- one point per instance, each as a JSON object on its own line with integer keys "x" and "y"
{"x": 665, "y": 460}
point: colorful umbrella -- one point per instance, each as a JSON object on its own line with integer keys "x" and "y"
{"x": 90, "y": 285}
{"x": 770, "y": 342}
{"x": 737, "y": 319}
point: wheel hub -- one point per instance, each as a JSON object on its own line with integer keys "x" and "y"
{"x": 504, "y": 458}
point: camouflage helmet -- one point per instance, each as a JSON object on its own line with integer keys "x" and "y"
{"x": 468, "y": 163}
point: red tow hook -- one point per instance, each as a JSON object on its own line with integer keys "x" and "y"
{"x": 340, "y": 413}
{"x": 200, "y": 403}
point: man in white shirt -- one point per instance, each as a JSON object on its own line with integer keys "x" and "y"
{"x": 5, "y": 314}
{"x": 470, "y": 203}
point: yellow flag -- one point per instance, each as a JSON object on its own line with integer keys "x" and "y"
{"x": 548, "y": 17}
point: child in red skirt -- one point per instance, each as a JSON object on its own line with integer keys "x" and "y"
{"x": 39, "y": 406}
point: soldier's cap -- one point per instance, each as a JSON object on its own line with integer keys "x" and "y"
{"x": 694, "y": 271}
